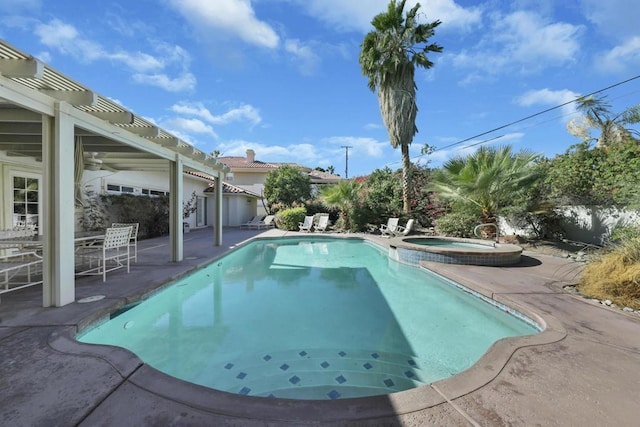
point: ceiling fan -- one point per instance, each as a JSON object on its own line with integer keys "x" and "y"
{"x": 92, "y": 163}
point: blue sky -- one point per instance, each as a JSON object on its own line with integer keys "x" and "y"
{"x": 282, "y": 76}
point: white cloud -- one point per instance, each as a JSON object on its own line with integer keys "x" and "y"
{"x": 329, "y": 152}
{"x": 521, "y": 41}
{"x": 149, "y": 69}
{"x": 621, "y": 59}
{"x": 242, "y": 113}
{"x": 191, "y": 126}
{"x": 228, "y": 17}
{"x": 368, "y": 147}
{"x": 185, "y": 82}
{"x": 66, "y": 39}
{"x": 617, "y": 18}
{"x": 303, "y": 55}
{"x": 356, "y": 15}
{"x": 548, "y": 97}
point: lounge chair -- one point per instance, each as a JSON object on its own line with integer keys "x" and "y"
{"x": 323, "y": 223}
{"x": 389, "y": 228}
{"x": 267, "y": 222}
{"x": 403, "y": 231}
{"x": 256, "y": 220}
{"x": 307, "y": 224}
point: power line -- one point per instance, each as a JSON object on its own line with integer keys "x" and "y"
{"x": 535, "y": 115}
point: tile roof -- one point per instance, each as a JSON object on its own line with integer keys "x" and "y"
{"x": 226, "y": 187}
{"x": 242, "y": 162}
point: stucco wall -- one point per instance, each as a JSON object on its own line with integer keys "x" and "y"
{"x": 585, "y": 224}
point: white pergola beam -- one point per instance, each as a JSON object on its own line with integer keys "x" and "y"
{"x": 116, "y": 117}
{"x": 19, "y": 115}
{"x": 29, "y": 68}
{"x": 73, "y": 97}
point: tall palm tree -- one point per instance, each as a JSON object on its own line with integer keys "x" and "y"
{"x": 388, "y": 58}
{"x": 613, "y": 128}
{"x": 343, "y": 196}
{"x": 486, "y": 179}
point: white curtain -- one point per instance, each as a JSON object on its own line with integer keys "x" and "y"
{"x": 79, "y": 171}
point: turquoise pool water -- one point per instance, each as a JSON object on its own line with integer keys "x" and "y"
{"x": 310, "y": 319}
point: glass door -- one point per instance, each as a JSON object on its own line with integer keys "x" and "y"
{"x": 26, "y": 202}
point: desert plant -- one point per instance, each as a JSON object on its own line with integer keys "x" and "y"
{"x": 614, "y": 275}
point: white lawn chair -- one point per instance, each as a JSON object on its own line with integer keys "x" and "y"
{"x": 390, "y": 227}
{"x": 323, "y": 223}
{"x": 403, "y": 231}
{"x": 307, "y": 224}
{"x": 134, "y": 236}
{"x": 112, "y": 254}
{"x": 267, "y": 222}
{"x": 256, "y": 220}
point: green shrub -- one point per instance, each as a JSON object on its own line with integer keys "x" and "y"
{"x": 289, "y": 219}
{"x": 151, "y": 212}
{"x": 621, "y": 234}
{"x": 457, "y": 224}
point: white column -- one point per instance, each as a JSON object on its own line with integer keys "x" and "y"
{"x": 58, "y": 207}
{"x": 175, "y": 209}
{"x": 217, "y": 229}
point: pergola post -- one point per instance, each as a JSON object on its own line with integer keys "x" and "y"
{"x": 217, "y": 229}
{"x": 58, "y": 207}
{"x": 175, "y": 209}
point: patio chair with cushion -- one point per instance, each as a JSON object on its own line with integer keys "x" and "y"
{"x": 307, "y": 224}
{"x": 112, "y": 254}
{"x": 389, "y": 228}
{"x": 134, "y": 236}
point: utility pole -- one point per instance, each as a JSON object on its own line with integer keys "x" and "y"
{"x": 346, "y": 160}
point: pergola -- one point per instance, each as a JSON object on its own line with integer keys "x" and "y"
{"x": 42, "y": 116}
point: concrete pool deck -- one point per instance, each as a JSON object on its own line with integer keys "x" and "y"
{"x": 582, "y": 371}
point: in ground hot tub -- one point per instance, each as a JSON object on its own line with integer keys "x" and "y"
{"x": 450, "y": 250}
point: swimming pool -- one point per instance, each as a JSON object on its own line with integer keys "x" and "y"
{"x": 310, "y": 319}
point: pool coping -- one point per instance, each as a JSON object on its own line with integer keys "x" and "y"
{"x": 486, "y": 369}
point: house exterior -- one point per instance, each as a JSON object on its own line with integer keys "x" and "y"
{"x": 55, "y": 133}
{"x": 238, "y": 204}
{"x": 250, "y": 175}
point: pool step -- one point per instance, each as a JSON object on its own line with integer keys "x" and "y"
{"x": 325, "y": 373}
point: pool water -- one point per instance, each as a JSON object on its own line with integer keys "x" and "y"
{"x": 310, "y": 319}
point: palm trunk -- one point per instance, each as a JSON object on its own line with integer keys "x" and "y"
{"x": 406, "y": 179}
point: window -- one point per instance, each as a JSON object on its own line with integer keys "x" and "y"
{"x": 26, "y": 198}
{"x": 125, "y": 189}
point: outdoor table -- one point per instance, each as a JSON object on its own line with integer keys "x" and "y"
{"x": 83, "y": 238}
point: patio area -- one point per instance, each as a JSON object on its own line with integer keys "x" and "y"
{"x": 581, "y": 371}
